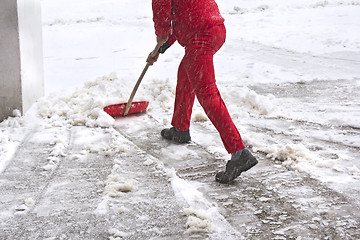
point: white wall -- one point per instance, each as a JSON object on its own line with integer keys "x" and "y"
{"x": 21, "y": 59}
{"x": 31, "y": 49}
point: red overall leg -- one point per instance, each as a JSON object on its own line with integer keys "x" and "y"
{"x": 196, "y": 74}
{"x": 184, "y": 100}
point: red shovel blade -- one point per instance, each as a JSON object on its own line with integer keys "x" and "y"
{"x": 119, "y": 109}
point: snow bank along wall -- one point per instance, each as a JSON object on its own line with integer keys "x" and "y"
{"x": 21, "y": 59}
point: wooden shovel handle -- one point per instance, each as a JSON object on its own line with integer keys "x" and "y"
{"x": 128, "y": 105}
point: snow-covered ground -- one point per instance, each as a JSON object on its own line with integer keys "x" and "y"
{"x": 289, "y": 73}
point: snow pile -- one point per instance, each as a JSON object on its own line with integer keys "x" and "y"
{"x": 104, "y": 148}
{"x": 203, "y": 215}
{"x": 249, "y": 100}
{"x": 58, "y": 149}
{"x": 199, "y": 116}
{"x": 12, "y": 131}
{"x": 297, "y": 156}
{"x": 354, "y": 171}
{"x": 122, "y": 209}
{"x": 199, "y": 216}
{"x": 116, "y": 234}
{"x": 288, "y": 152}
{"x": 115, "y": 146}
{"x": 114, "y": 188}
{"x": 198, "y": 221}
{"x": 15, "y": 121}
{"x": 85, "y": 106}
{"x": 241, "y": 102}
{"x": 5, "y": 147}
{"x": 59, "y": 145}
{"x": 161, "y": 92}
{"x": 29, "y": 202}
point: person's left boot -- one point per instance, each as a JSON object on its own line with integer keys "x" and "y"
{"x": 241, "y": 161}
{"x": 176, "y": 135}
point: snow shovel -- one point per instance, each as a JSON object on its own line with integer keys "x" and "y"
{"x": 123, "y": 109}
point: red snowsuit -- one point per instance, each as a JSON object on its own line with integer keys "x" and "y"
{"x": 199, "y": 27}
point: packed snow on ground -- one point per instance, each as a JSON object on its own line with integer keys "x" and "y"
{"x": 95, "y": 50}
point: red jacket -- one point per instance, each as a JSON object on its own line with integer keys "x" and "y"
{"x": 184, "y": 17}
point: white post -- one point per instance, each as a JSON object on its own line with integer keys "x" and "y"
{"x": 21, "y": 59}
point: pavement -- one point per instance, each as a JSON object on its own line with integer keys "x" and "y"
{"x": 128, "y": 183}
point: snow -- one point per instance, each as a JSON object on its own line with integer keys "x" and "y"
{"x": 316, "y": 37}
{"x": 288, "y": 73}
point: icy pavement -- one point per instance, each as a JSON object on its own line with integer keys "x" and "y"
{"x": 270, "y": 202}
{"x": 129, "y": 183}
{"x": 65, "y": 190}
{"x": 119, "y": 179}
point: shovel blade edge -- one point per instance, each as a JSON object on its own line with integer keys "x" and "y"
{"x": 119, "y": 109}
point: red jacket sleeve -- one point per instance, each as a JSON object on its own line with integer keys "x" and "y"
{"x": 162, "y": 17}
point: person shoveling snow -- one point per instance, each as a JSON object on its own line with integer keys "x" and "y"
{"x": 199, "y": 27}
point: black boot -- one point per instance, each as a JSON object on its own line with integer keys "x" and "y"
{"x": 241, "y": 161}
{"x": 176, "y": 135}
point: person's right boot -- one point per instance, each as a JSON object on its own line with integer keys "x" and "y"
{"x": 241, "y": 161}
{"x": 176, "y": 135}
